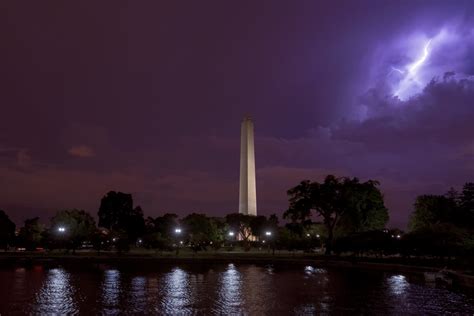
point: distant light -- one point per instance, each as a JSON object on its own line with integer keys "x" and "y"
{"x": 231, "y": 233}
{"x": 263, "y": 241}
{"x": 140, "y": 241}
{"x": 268, "y": 233}
{"x": 317, "y": 236}
{"x": 210, "y": 243}
{"x": 393, "y": 236}
{"x": 114, "y": 239}
{"x": 181, "y": 242}
{"x": 308, "y": 235}
{"x": 177, "y": 230}
{"x": 398, "y": 236}
{"x": 61, "y": 229}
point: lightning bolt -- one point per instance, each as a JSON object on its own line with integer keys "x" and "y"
{"x": 411, "y": 76}
{"x": 414, "y": 67}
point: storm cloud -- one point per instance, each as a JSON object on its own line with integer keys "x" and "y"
{"x": 148, "y": 99}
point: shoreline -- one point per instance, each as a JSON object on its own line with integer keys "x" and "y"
{"x": 460, "y": 277}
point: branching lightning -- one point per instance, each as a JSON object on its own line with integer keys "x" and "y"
{"x": 396, "y": 70}
{"x": 414, "y": 67}
{"x": 410, "y": 74}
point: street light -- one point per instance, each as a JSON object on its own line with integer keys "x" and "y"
{"x": 231, "y": 233}
{"x": 178, "y": 231}
{"x": 268, "y": 233}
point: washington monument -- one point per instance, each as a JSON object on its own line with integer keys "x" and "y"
{"x": 247, "y": 193}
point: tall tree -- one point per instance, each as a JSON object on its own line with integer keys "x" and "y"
{"x": 366, "y": 210}
{"x": 335, "y": 199}
{"x": 73, "y": 227}
{"x": 116, "y": 213}
{"x": 430, "y": 210}
{"x": 31, "y": 234}
{"x": 7, "y": 230}
{"x": 201, "y": 231}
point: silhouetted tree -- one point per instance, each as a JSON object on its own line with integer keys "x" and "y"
{"x": 7, "y": 230}
{"x": 273, "y": 222}
{"x": 201, "y": 231}
{"x": 365, "y": 211}
{"x": 117, "y": 214}
{"x": 360, "y": 204}
{"x": 432, "y": 209}
{"x": 79, "y": 226}
{"x": 165, "y": 225}
{"x": 31, "y": 234}
{"x": 159, "y": 231}
{"x": 135, "y": 225}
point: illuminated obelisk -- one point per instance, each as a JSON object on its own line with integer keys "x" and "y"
{"x": 247, "y": 193}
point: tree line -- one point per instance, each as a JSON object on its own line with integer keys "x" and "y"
{"x": 336, "y": 215}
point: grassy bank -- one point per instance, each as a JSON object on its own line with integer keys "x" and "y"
{"x": 141, "y": 256}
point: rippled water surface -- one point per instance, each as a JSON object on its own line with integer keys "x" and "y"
{"x": 222, "y": 289}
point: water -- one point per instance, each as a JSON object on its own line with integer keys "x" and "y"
{"x": 222, "y": 289}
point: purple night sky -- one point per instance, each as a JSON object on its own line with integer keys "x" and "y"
{"x": 147, "y": 98}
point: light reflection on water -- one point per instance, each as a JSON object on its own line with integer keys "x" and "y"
{"x": 222, "y": 289}
{"x": 398, "y": 284}
{"x": 229, "y": 291}
{"x": 138, "y": 294}
{"x": 176, "y": 292}
{"x": 57, "y": 294}
{"x": 111, "y": 291}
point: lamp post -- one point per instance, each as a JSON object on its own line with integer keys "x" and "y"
{"x": 231, "y": 235}
{"x": 61, "y": 230}
{"x": 268, "y": 234}
{"x": 177, "y": 232}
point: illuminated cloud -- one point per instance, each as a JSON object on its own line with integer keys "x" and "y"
{"x": 404, "y": 65}
{"x": 82, "y": 151}
{"x": 410, "y": 79}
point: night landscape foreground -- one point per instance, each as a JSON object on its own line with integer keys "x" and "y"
{"x": 237, "y": 158}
